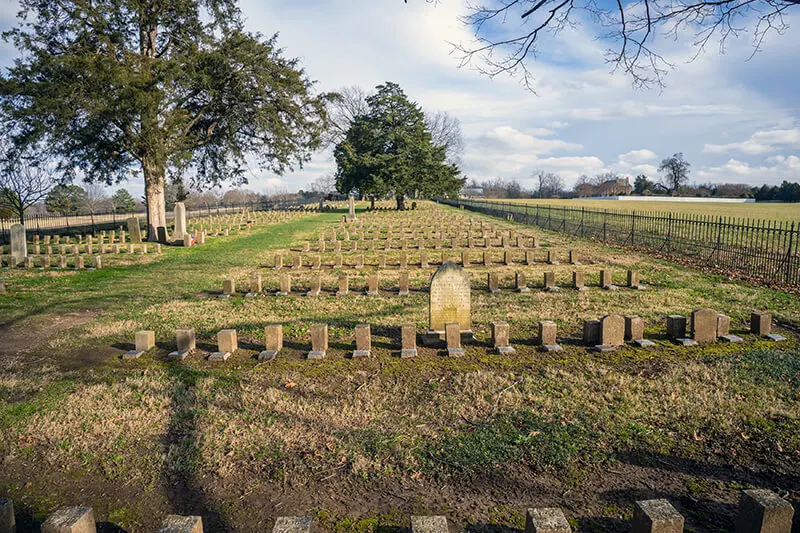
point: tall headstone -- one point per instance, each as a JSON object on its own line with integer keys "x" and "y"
{"x": 19, "y": 245}
{"x": 180, "y": 220}
{"x": 134, "y": 230}
{"x": 351, "y": 208}
{"x": 408, "y": 337}
{"x": 273, "y": 342}
{"x": 450, "y": 299}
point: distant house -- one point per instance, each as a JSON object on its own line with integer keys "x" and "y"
{"x": 615, "y": 187}
{"x": 472, "y": 192}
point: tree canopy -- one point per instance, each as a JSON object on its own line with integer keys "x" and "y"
{"x": 389, "y": 150}
{"x": 115, "y": 87}
{"x": 66, "y": 199}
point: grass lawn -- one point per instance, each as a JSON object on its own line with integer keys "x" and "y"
{"x": 753, "y": 211}
{"x": 362, "y": 444}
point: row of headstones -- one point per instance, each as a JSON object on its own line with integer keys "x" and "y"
{"x": 605, "y": 334}
{"x": 111, "y": 236}
{"x": 487, "y": 259}
{"x": 78, "y": 262}
{"x": 228, "y": 343}
{"x": 255, "y": 287}
{"x": 417, "y": 243}
{"x": 89, "y": 248}
{"x": 706, "y": 325}
{"x": 760, "y": 511}
{"x": 431, "y": 230}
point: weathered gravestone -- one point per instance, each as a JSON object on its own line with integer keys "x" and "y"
{"x": 273, "y": 342}
{"x": 351, "y": 208}
{"x": 70, "y": 520}
{"x": 134, "y": 230}
{"x": 319, "y": 341}
{"x": 704, "y": 325}
{"x": 612, "y": 332}
{"x": 546, "y": 520}
{"x": 656, "y": 516}
{"x": 500, "y": 331}
{"x": 363, "y": 341}
{"x": 180, "y": 220}
{"x": 548, "y": 336}
{"x": 19, "y": 245}
{"x": 408, "y": 341}
{"x": 450, "y": 299}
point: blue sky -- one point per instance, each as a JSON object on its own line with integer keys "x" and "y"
{"x": 735, "y": 120}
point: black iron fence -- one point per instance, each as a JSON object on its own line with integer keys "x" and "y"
{"x": 757, "y": 250}
{"x": 90, "y": 223}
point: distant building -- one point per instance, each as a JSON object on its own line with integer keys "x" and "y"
{"x": 472, "y": 192}
{"x": 615, "y": 187}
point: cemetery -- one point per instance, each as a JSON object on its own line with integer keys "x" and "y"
{"x": 356, "y": 369}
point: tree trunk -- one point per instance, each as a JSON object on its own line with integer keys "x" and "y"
{"x": 372, "y": 202}
{"x": 156, "y": 202}
{"x": 401, "y": 201}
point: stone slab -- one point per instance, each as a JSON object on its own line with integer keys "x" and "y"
{"x": 763, "y": 511}
{"x": 133, "y": 354}
{"x": 731, "y": 338}
{"x": 546, "y": 520}
{"x": 428, "y": 524}
{"x": 70, "y": 520}
{"x": 656, "y": 516}
{"x": 219, "y": 356}
{"x": 267, "y": 355}
{"x": 181, "y": 524}
{"x": 644, "y": 343}
{"x": 552, "y": 348}
{"x": 293, "y": 524}
{"x": 774, "y": 337}
{"x": 604, "y": 348}
{"x": 686, "y": 342}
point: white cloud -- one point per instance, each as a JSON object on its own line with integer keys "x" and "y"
{"x": 638, "y": 156}
{"x": 777, "y": 169}
{"x": 508, "y": 138}
{"x": 760, "y": 142}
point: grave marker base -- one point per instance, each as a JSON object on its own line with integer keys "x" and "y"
{"x": 552, "y": 348}
{"x": 361, "y": 353}
{"x": 342, "y": 293}
{"x": 402, "y": 293}
{"x": 267, "y": 355}
{"x": 133, "y": 354}
{"x": 316, "y": 354}
{"x": 455, "y": 352}
{"x": 280, "y": 293}
{"x": 523, "y": 289}
{"x": 312, "y": 293}
{"x": 731, "y": 338}
{"x": 503, "y": 350}
{"x": 604, "y": 348}
{"x": 372, "y": 293}
{"x": 251, "y": 295}
{"x": 638, "y": 287}
{"x": 774, "y": 337}
{"x": 611, "y": 288}
{"x": 409, "y": 352}
{"x": 178, "y": 355}
{"x": 552, "y": 289}
{"x": 219, "y": 356}
{"x": 224, "y": 296}
{"x": 644, "y": 343}
{"x": 686, "y": 342}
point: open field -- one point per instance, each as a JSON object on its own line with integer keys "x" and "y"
{"x": 755, "y": 211}
{"x": 361, "y": 444}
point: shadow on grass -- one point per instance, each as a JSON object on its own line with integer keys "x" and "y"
{"x": 186, "y": 494}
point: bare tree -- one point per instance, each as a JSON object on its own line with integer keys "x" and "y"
{"x": 548, "y": 185}
{"x": 446, "y": 131}
{"x": 631, "y": 28}
{"x": 96, "y": 198}
{"x": 324, "y": 185}
{"x": 343, "y": 109}
{"x": 676, "y": 172}
{"x": 23, "y": 181}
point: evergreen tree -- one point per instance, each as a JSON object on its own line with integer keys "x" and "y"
{"x": 66, "y": 199}
{"x": 389, "y": 151}
{"x": 123, "y": 202}
{"x": 114, "y": 86}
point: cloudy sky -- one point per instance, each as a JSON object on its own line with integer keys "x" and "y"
{"x": 735, "y": 120}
